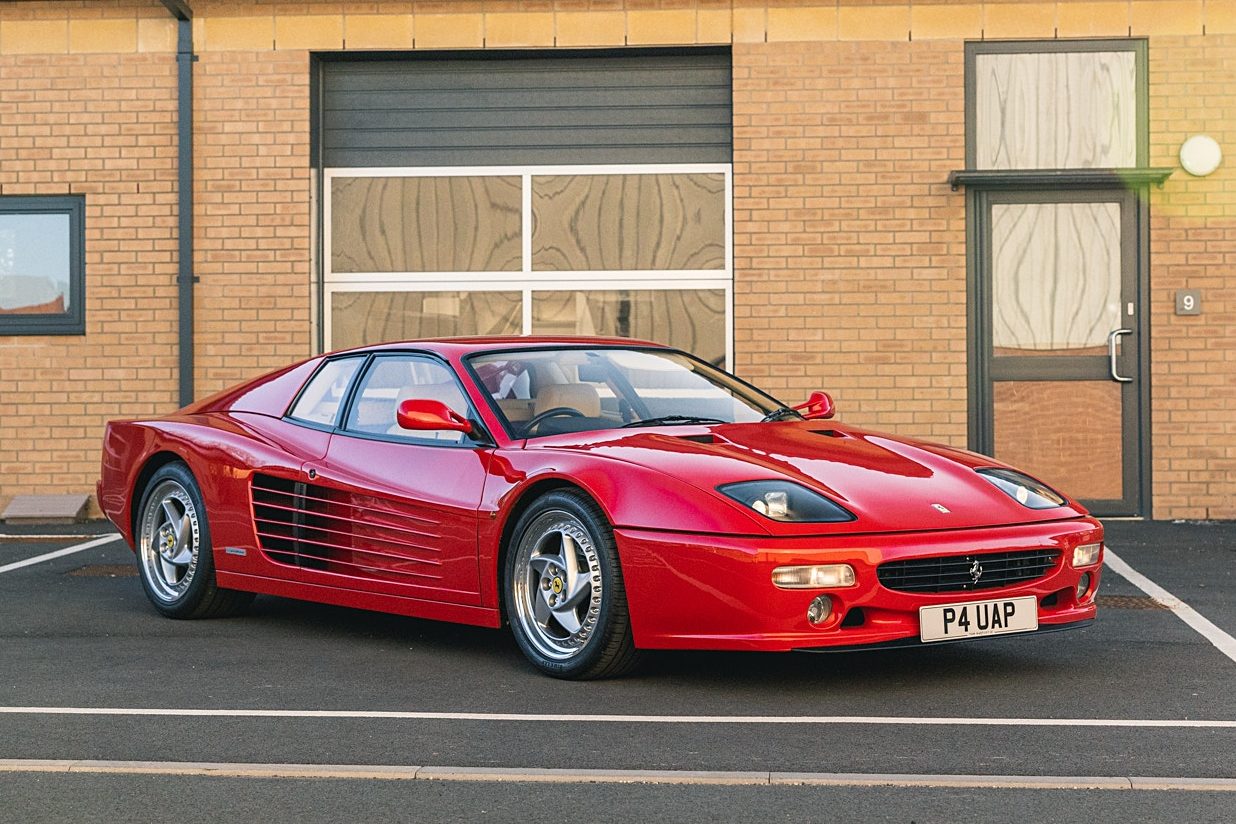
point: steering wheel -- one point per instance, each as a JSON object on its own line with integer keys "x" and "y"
{"x": 556, "y": 412}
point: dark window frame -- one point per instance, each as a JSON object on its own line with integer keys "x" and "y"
{"x": 1137, "y": 45}
{"x": 479, "y": 438}
{"x": 72, "y": 322}
{"x": 980, "y": 184}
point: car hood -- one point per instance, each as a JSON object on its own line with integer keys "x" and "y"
{"x": 891, "y": 484}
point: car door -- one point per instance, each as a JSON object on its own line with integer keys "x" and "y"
{"x": 399, "y": 508}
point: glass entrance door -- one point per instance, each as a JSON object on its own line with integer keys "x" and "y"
{"x": 1059, "y": 372}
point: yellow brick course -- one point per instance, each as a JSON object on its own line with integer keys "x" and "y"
{"x": 156, "y": 34}
{"x": 234, "y": 33}
{"x": 450, "y": 31}
{"x": 661, "y": 27}
{"x": 951, "y": 21}
{"x": 807, "y": 23}
{"x": 873, "y": 22}
{"x": 378, "y": 31}
{"x": 114, "y": 36}
{"x": 34, "y": 36}
{"x": 1167, "y": 17}
{"x": 519, "y": 29}
{"x": 597, "y": 28}
{"x": 1019, "y": 20}
{"x": 1086, "y": 19}
{"x": 309, "y": 31}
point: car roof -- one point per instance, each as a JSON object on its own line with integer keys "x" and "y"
{"x": 496, "y": 343}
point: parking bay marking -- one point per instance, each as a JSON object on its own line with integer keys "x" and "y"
{"x": 1225, "y": 643}
{"x": 394, "y": 772}
{"x": 60, "y": 553}
{"x": 413, "y": 715}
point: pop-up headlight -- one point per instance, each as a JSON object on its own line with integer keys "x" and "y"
{"x": 786, "y": 501}
{"x": 1022, "y": 488}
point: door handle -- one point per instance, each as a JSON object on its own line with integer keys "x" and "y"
{"x": 1111, "y": 354}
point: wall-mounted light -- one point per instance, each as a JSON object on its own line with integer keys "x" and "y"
{"x": 1200, "y": 155}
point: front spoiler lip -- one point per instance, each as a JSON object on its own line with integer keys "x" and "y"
{"x": 912, "y": 641}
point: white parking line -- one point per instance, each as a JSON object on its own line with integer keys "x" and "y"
{"x": 60, "y": 553}
{"x": 411, "y": 715}
{"x": 385, "y": 772}
{"x": 1225, "y": 643}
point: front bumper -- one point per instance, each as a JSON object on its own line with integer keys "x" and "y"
{"x": 715, "y": 592}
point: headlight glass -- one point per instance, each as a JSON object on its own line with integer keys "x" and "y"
{"x": 786, "y": 501}
{"x": 1022, "y": 488}
{"x": 1086, "y": 555}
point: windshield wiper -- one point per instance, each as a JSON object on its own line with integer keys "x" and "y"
{"x": 780, "y": 414}
{"x": 672, "y": 419}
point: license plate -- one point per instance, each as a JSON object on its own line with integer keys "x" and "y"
{"x": 975, "y": 619}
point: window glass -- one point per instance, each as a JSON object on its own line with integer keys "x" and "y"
{"x": 1056, "y": 110}
{"x": 689, "y": 319}
{"x": 362, "y": 318}
{"x": 324, "y": 394}
{"x": 543, "y": 392}
{"x": 389, "y": 381}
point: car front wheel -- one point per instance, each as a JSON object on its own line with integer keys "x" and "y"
{"x": 565, "y": 598}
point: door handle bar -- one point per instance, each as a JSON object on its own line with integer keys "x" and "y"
{"x": 1111, "y": 354}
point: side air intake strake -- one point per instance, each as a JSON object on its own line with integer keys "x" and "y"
{"x": 309, "y": 525}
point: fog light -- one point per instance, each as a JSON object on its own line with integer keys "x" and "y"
{"x": 819, "y": 611}
{"x": 827, "y": 576}
{"x": 1086, "y": 555}
{"x": 1083, "y": 585}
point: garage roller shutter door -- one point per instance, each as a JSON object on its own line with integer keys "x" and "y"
{"x": 515, "y": 110}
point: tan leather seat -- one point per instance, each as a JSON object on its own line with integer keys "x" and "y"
{"x": 578, "y": 396}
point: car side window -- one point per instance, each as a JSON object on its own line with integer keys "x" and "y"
{"x": 320, "y": 401}
{"x": 392, "y": 379}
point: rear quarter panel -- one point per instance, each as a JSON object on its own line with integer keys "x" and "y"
{"x": 221, "y": 450}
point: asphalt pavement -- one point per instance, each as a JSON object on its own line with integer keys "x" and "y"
{"x": 1140, "y": 693}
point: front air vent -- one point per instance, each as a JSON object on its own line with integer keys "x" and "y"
{"x": 316, "y": 527}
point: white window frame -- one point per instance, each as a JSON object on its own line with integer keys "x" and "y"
{"x": 526, "y": 280}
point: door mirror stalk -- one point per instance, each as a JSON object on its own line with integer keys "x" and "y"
{"x": 429, "y": 415}
{"x": 819, "y": 406}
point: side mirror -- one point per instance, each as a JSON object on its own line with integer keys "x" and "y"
{"x": 818, "y": 406}
{"x": 428, "y": 415}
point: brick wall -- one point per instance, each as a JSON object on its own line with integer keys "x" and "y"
{"x": 850, "y": 270}
{"x": 849, "y": 246}
{"x": 1193, "y": 245}
{"x": 252, "y": 232}
{"x": 101, "y": 125}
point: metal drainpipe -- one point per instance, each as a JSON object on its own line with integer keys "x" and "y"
{"x": 184, "y": 187}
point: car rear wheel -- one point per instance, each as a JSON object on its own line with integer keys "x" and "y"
{"x": 174, "y": 558}
{"x": 565, "y": 598}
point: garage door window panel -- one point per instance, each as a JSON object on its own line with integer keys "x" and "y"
{"x": 359, "y": 318}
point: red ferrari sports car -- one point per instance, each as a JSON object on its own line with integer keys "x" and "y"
{"x": 600, "y": 496}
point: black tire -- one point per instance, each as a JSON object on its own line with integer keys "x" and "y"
{"x": 602, "y": 646}
{"x": 179, "y": 579}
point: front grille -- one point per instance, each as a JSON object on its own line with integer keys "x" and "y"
{"x": 956, "y": 573}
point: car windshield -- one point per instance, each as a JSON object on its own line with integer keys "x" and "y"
{"x": 551, "y": 391}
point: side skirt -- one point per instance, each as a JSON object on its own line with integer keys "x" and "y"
{"x": 394, "y": 604}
